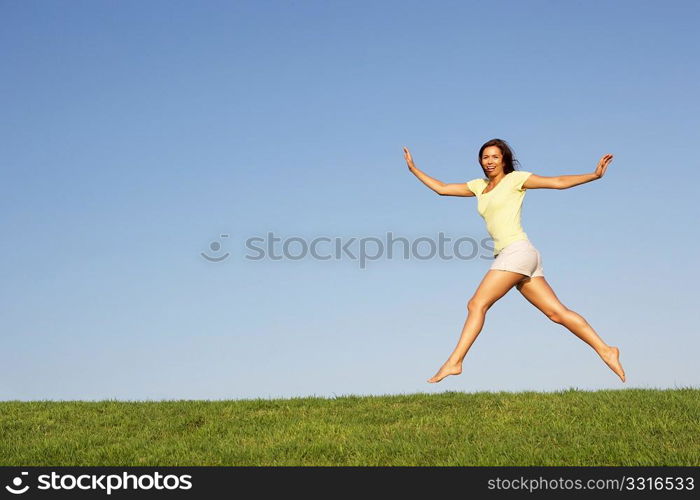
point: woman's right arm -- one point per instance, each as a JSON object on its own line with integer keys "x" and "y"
{"x": 439, "y": 187}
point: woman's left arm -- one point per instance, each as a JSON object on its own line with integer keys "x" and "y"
{"x": 567, "y": 181}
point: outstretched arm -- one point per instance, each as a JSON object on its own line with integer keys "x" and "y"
{"x": 439, "y": 187}
{"x": 567, "y": 181}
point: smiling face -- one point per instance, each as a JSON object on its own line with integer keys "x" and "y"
{"x": 492, "y": 161}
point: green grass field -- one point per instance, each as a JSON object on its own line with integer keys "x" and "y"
{"x": 573, "y": 427}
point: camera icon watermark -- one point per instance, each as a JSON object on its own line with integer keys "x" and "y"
{"x": 16, "y": 488}
{"x": 215, "y": 246}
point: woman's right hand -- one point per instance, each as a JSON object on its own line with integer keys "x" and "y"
{"x": 438, "y": 186}
{"x": 408, "y": 157}
{"x": 603, "y": 165}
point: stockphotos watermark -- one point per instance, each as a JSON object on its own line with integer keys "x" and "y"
{"x": 359, "y": 249}
{"x": 101, "y": 482}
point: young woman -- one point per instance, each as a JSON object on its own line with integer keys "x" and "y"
{"x": 517, "y": 262}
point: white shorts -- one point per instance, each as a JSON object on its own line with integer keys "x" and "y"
{"x": 520, "y": 257}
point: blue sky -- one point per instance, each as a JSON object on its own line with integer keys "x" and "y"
{"x": 135, "y": 134}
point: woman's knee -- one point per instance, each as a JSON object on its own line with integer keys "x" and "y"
{"x": 477, "y": 306}
{"x": 558, "y": 315}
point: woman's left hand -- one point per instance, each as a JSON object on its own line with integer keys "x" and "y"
{"x": 603, "y": 165}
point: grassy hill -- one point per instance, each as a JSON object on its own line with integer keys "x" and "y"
{"x": 611, "y": 427}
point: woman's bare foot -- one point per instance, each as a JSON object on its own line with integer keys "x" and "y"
{"x": 612, "y": 359}
{"x": 445, "y": 370}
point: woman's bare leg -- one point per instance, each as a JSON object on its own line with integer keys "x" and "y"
{"x": 540, "y": 294}
{"x": 495, "y": 285}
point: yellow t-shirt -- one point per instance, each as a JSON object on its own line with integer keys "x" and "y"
{"x": 500, "y": 207}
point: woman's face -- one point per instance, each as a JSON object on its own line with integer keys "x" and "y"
{"x": 492, "y": 161}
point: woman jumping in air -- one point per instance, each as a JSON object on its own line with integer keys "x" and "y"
{"x": 517, "y": 262}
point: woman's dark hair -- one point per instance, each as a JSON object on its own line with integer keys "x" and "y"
{"x": 509, "y": 160}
